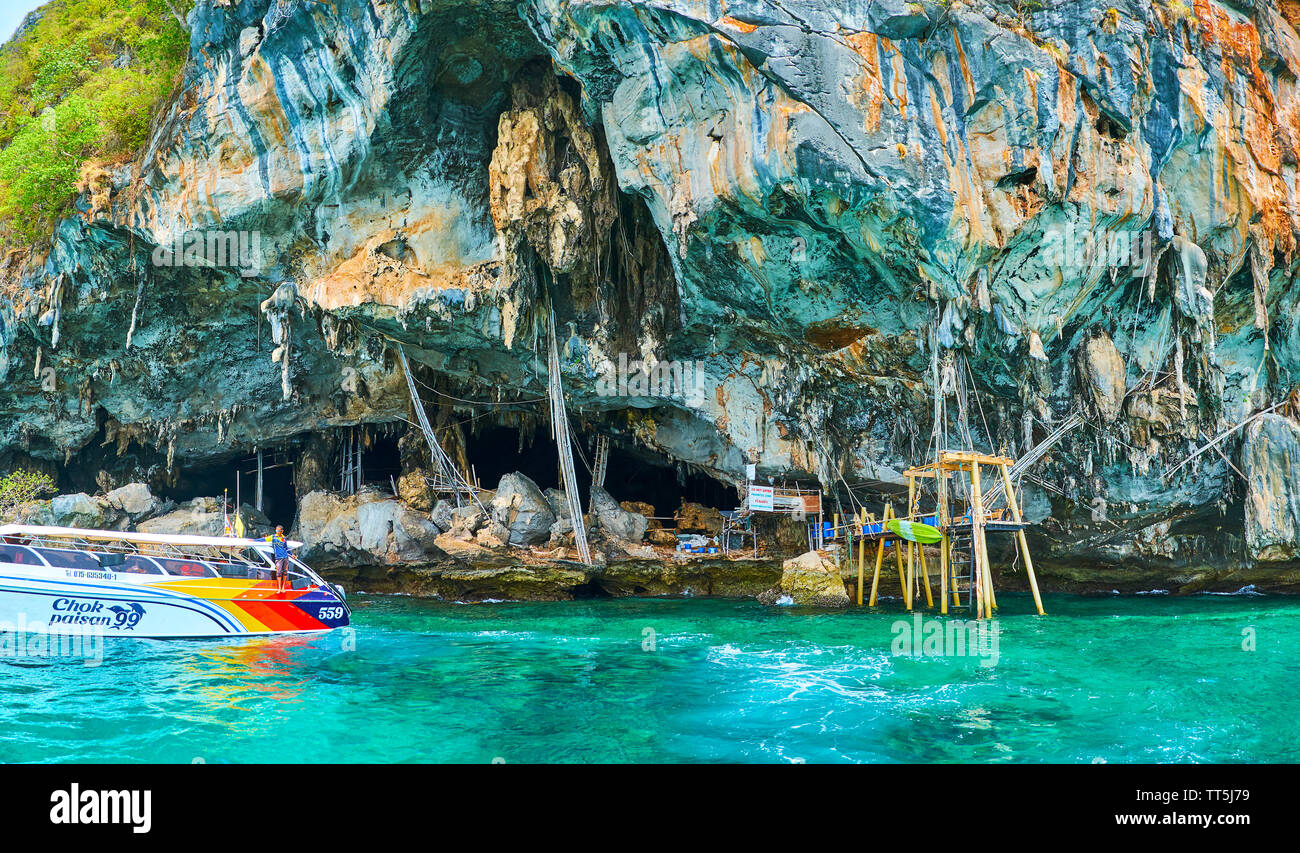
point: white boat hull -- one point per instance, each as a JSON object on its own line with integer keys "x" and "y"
{"x": 64, "y": 601}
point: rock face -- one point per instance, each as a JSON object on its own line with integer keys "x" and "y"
{"x": 522, "y": 511}
{"x": 1102, "y": 376}
{"x": 1271, "y": 462}
{"x": 413, "y": 489}
{"x": 809, "y": 580}
{"x": 442, "y": 514}
{"x": 786, "y": 215}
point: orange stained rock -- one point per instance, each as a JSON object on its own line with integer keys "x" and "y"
{"x": 782, "y": 119}
{"x": 1255, "y": 141}
{"x": 728, "y": 21}
{"x": 370, "y": 277}
{"x": 870, "y": 96}
{"x": 936, "y": 116}
{"x": 965, "y": 69}
{"x": 899, "y": 68}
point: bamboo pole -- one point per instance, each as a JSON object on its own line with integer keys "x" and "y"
{"x": 902, "y": 582}
{"x": 911, "y": 513}
{"x": 875, "y": 578}
{"x": 977, "y": 532}
{"x": 880, "y": 558}
{"x": 925, "y": 574}
{"x": 943, "y": 575}
{"x": 1014, "y": 503}
{"x": 862, "y": 551}
{"x": 956, "y": 593}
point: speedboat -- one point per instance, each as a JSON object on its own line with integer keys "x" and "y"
{"x": 59, "y": 580}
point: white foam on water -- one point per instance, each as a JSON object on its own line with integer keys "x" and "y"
{"x": 1248, "y": 589}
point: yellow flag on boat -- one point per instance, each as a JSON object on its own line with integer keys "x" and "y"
{"x": 914, "y": 531}
{"x": 239, "y": 526}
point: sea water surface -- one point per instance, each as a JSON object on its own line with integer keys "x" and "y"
{"x": 1112, "y": 679}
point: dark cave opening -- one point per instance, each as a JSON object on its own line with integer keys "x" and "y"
{"x": 632, "y": 475}
{"x": 589, "y": 590}
{"x": 381, "y": 462}
{"x": 494, "y": 451}
{"x": 237, "y": 479}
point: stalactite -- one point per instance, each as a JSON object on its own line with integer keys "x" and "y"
{"x": 277, "y": 310}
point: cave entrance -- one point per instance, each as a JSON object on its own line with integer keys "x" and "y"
{"x": 632, "y": 474}
{"x": 495, "y": 451}
{"x": 237, "y": 478}
{"x": 636, "y": 475}
{"x": 381, "y": 462}
{"x": 279, "y": 498}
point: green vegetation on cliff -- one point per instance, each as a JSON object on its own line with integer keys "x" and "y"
{"x": 19, "y": 487}
{"x": 80, "y": 85}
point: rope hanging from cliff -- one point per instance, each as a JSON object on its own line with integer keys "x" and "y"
{"x": 450, "y": 473}
{"x": 975, "y": 392}
{"x": 139, "y": 288}
{"x": 560, "y": 427}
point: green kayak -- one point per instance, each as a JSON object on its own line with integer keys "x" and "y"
{"x": 914, "y": 531}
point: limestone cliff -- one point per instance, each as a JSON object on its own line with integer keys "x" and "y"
{"x": 823, "y": 209}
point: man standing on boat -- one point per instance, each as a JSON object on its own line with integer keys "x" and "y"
{"x": 280, "y": 553}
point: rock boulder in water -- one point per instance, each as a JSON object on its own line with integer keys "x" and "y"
{"x": 810, "y": 580}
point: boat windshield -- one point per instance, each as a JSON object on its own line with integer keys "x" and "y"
{"x": 19, "y": 555}
{"x": 187, "y": 568}
{"x": 69, "y": 559}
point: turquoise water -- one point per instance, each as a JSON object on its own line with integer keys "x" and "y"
{"x": 1106, "y": 679}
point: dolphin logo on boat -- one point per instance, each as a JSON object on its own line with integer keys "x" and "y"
{"x": 127, "y": 617}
